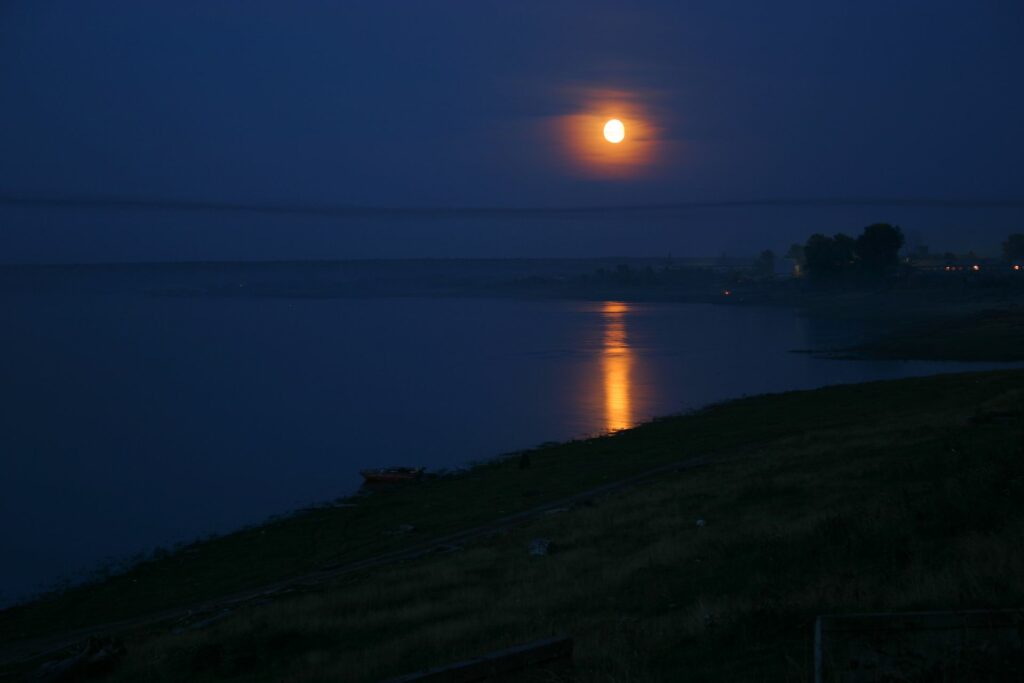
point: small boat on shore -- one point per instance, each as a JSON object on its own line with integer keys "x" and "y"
{"x": 389, "y": 474}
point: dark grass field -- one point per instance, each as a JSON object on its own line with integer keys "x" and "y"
{"x": 884, "y": 496}
{"x": 987, "y": 335}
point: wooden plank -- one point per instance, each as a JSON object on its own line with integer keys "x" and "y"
{"x": 496, "y": 665}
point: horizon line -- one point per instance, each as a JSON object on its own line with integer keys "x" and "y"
{"x": 356, "y": 209}
{"x": 721, "y": 258}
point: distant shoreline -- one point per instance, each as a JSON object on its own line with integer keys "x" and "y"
{"x": 932, "y": 317}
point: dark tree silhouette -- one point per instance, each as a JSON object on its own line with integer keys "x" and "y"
{"x": 1013, "y": 247}
{"x": 765, "y": 263}
{"x": 846, "y": 249}
{"x": 798, "y": 257}
{"x": 829, "y": 257}
{"x": 878, "y": 248}
{"x": 796, "y": 253}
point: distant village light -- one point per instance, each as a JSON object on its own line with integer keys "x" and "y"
{"x": 975, "y": 267}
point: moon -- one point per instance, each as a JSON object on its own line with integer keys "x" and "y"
{"x": 614, "y": 131}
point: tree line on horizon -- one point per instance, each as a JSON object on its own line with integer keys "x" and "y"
{"x": 873, "y": 253}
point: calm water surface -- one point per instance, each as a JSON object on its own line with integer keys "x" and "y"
{"x": 130, "y": 422}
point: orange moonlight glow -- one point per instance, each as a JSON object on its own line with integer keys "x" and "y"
{"x": 614, "y": 131}
{"x": 602, "y": 118}
{"x": 616, "y": 361}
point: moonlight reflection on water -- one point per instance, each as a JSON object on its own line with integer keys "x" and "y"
{"x": 616, "y": 361}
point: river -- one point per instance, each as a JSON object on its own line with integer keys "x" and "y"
{"x": 130, "y": 422}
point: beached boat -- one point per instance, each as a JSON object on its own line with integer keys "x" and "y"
{"x": 392, "y": 474}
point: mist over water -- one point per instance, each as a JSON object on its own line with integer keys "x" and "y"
{"x": 156, "y": 420}
{"x": 41, "y": 234}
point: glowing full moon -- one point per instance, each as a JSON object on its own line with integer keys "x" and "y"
{"x": 614, "y": 131}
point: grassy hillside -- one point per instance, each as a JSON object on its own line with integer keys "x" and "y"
{"x": 882, "y": 496}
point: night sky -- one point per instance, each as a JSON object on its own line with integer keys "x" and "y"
{"x": 465, "y": 104}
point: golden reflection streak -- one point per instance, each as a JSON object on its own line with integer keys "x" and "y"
{"x": 616, "y": 360}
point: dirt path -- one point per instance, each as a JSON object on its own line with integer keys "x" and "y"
{"x": 21, "y": 652}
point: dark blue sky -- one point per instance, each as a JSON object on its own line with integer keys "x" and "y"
{"x": 454, "y": 103}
